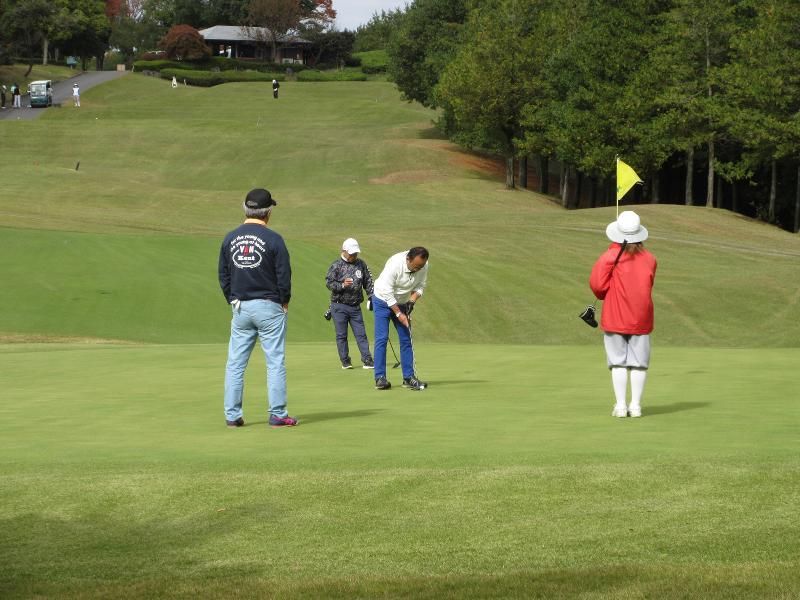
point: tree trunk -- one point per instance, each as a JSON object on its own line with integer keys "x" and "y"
{"x": 578, "y": 190}
{"x": 734, "y": 197}
{"x": 720, "y": 195}
{"x": 689, "y": 198}
{"x": 797, "y": 203}
{"x": 564, "y": 185}
{"x": 544, "y": 175}
{"x": 655, "y": 197}
{"x": 523, "y": 172}
{"x": 593, "y": 196}
{"x": 773, "y": 186}
{"x": 710, "y": 187}
{"x": 510, "y": 172}
{"x": 45, "y": 50}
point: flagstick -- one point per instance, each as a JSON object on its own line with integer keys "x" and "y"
{"x": 616, "y": 170}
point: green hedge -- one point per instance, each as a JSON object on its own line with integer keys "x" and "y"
{"x": 211, "y": 78}
{"x": 345, "y": 75}
{"x": 242, "y": 64}
{"x": 216, "y": 63}
{"x": 158, "y": 65}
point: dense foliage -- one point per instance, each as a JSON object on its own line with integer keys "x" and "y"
{"x": 184, "y": 42}
{"x": 702, "y": 98}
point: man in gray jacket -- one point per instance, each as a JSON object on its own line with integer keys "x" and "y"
{"x": 348, "y": 277}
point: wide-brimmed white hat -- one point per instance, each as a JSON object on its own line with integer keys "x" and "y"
{"x": 350, "y": 246}
{"x": 627, "y": 228}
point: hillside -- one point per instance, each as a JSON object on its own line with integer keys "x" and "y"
{"x": 125, "y": 247}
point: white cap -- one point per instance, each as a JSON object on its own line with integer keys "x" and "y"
{"x": 628, "y": 227}
{"x": 350, "y": 246}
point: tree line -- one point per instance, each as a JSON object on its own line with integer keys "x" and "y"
{"x": 44, "y": 30}
{"x": 702, "y": 97}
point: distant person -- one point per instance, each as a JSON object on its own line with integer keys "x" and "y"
{"x": 256, "y": 280}
{"x": 174, "y": 81}
{"x": 76, "y": 94}
{"x": 3, "y": 90}
{"x": 397, "y": 289}
{"x": 275, "y": 87}
{"x": 15, "y": 96}
{"x": 623, "y": 277}
{"x": 348, "y": 278}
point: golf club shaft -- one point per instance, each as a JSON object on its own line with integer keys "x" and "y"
{"x": 396, "y": 360}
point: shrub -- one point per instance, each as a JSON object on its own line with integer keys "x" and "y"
{"x": 310, "y": 75}
{"x": 184, "y": 42}
{"x": 212, "y": 78}
{"x": 153, "y": 55}
{"x": 158, "y": 65}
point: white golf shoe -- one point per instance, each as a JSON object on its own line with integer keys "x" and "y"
{"x": 619, "y": 411}
{"x": 635, "y": 411}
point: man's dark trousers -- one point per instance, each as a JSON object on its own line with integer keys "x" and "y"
{"x": 342, "y": 315}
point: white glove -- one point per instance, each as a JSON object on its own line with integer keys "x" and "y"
{"x": 235, "y": 304}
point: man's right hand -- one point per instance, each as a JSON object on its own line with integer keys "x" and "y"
{"x": 403, "y": 319}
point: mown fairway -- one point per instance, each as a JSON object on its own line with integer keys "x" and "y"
{"x": 507, "y": 478}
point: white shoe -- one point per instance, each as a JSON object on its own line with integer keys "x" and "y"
{"x": 619, "y": 411}
{"x": 635, "y": 411}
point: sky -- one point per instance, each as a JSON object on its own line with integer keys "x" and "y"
{"x": 352, "y": 13}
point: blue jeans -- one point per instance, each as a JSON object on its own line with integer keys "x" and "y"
{"x": 264, "y": 320}
{"x": 384, "y": 314}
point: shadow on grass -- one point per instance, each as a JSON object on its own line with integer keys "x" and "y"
{"x": 438, "y": 383}
{"x": 674, "y": 407}
{"x": 333, "y": 415}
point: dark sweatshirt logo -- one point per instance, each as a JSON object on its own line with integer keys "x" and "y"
{"x": 247, "y": 251}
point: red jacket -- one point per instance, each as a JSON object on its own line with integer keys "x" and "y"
{"x": 626, "y": 290}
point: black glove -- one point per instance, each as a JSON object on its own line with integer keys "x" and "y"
{"x": 327, "y": 315}
{"x": 369, "y": 302}
{"x": 408, "y": 308}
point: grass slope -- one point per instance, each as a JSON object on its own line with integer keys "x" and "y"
{"x": 134, "y": 232}
{"x": 507, "y": 478}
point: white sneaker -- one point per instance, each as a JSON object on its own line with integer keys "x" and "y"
{"x": 635, "y": 411}
{"x": 619, "y": 411}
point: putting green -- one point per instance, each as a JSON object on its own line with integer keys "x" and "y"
{"x": 119, "y": 476}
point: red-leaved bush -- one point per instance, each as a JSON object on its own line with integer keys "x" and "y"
{"x": 184, "y": 42}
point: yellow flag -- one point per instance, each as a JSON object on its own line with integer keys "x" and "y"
{"x": 626, "y": 179}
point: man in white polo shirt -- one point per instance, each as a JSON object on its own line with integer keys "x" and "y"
{"x": 398, "y": 287}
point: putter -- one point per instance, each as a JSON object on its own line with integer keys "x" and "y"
{"x": 413, "y": 354}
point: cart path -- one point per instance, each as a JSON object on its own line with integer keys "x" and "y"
{"x": 62, "y": 94}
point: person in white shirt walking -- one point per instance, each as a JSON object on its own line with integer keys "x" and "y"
{"x": 76, "y": 94}
{"x": 397, "y": 289}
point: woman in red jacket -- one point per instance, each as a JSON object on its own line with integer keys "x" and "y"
{"x": 623, "y": 277}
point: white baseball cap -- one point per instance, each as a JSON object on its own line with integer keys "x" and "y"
{"x": 628, "y": 227}
{"x": 350, "y": 245}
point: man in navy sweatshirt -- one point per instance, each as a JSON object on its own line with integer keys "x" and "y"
{"x": 256, "y": 280}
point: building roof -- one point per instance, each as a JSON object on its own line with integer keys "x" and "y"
{"x": 235, "y": 33}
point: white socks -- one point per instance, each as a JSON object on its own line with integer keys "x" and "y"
{"x": 619, "y": 379}
{"x": 638, "y": 379}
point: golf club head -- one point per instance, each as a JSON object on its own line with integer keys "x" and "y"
{"x": 395, "y": 365}
{"x": 588, "y": 316}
